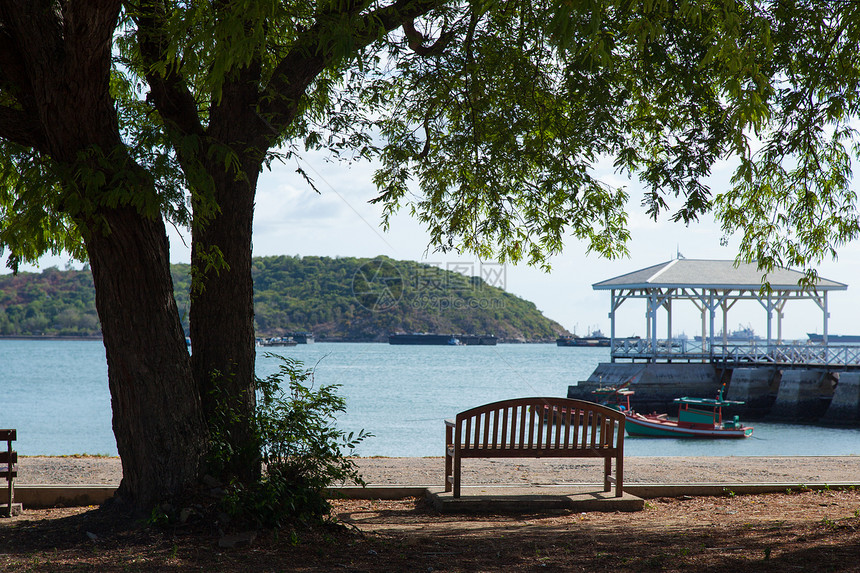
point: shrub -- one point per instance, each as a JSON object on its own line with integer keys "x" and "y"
{"x": 302, "y": 450}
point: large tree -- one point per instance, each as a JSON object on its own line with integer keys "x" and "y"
{"x": 70, "y": 182}
{"x": 497, "y": 110}
{"x": 487, "y": 118}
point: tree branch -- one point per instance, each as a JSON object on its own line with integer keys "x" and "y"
{"x": 168, "y": 91}
{"x": 19, "y": 127}
{"x": 314, "y": 51}
{"x": 41, "y": 43}
{"x": 14, "y": 85}
{"x": 416, "y": 40}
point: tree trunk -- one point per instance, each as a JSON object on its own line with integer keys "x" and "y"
{"x": 56, "y": 67}
{"x": 222, "y": 319}
{"x": 157, "y": 421}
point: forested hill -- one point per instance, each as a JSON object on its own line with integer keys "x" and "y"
{"x": 336, "y": 299}
{"x": 52, "y": 302}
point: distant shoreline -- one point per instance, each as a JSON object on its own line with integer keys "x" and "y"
{"x": 48, "y": 337}
{"x": 333, "y": 340}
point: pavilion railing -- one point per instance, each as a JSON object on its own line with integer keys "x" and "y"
{"x": 741, "y": 352}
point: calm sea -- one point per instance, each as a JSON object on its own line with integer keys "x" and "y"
{"x": 56, "y": 394}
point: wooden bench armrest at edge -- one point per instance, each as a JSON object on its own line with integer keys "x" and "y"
{"x": 536, "y": 428}
{"x": 8, "y": 466}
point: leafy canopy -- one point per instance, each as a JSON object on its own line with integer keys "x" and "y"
{"x": 488, "y": 118}
{"x": 792, "y": 197}
{"x": 495, "y": 112}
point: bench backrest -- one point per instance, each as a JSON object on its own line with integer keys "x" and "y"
{"x": 534, "y": 426}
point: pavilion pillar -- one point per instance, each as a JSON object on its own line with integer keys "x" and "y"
{"x": 668, "y": 304}
{"x": 713, "y": 315}
{"x": 612, "y": 326}
{"x": 769, "y": 320}
{"x": 654, "y": 303}
{"x": 779, "y": 316}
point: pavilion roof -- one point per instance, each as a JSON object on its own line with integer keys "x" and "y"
{"x": 719, "y": 275}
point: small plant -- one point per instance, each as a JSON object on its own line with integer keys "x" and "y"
{"x": 302, "y": 450}
{"x": 158, "y": 517}
{"x": 767, "y": 551}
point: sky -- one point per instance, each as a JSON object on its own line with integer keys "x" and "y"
{"x": 291, "y": 219}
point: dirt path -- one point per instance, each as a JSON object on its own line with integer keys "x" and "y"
{"x": 429, "y": 471}
{"x": 792, "y": 531}
{"x": 784, "y": 532}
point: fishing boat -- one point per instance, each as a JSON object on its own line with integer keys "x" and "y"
{"x": 301, "y": 337}
{"x": 279, "y": 341}
{"x": 697, "y": 418}
{"x": 594, "y": 339}
{"x": 615, "y": 398}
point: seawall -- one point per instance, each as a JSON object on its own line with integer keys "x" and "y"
{"x": 790, "y": 395}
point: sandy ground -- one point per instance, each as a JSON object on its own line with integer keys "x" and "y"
{"x": 429, "y": 471}
{"x": 792, "y": 530}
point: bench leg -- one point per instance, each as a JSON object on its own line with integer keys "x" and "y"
{"x": 449, "y": 473}
{"x": 607, "y": 473}
{"x": 456, "y": 475}
{"x": 619, "y": 476}
{"x": 10, "y": 497}
{"x": 449, "y": 462}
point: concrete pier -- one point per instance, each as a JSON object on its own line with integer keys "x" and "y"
{"x": 768, "y": 393}
{"x": 756, "y": 387}
{"x": 844, "y": 409}
{"x": 800, "y": 396}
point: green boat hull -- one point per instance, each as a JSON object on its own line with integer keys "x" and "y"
{"x": 669, "y": 429}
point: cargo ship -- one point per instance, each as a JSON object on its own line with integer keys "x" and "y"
{"x": 834, "y": 338}
{"x": 431, "y": 339}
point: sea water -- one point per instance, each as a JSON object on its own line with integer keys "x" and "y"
{"x": 56, "y": 394}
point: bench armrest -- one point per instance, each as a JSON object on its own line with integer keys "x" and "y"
{"x": 449, "y": 423}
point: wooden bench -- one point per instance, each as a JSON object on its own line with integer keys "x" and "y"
{"x": 537, "y": 428}
{"x": 9, "y": 466}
